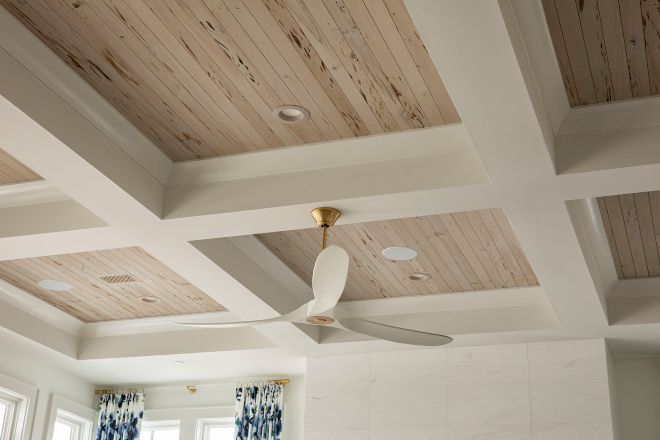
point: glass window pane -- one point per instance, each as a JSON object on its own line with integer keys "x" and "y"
{"x": 166, "y": 434}
{"x": 221, "y": 433}
{"x": 62, "y": 431}
{"x": 145, "y": 434}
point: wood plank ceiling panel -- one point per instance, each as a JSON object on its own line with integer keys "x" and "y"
{"x": 465, "y": 251}
{"x": 12, "y": 171}
{"x": 109, "y": 285}
{"x": 201, "y": 78}
{"x": 632, "y": 227}
{"x": 607, "y": 50}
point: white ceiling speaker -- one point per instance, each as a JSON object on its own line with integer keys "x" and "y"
{"x": 328, "y": 281}
{"x": 399, "y": 253}
{"x": 55, "y": 285}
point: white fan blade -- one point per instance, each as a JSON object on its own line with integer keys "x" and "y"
{"x": 297, "y": 315}
{"x": 394, "y": 334}
{"x": 328, "y": 279}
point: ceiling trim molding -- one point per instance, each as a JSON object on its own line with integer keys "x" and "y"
{"x": 483, "y": 299}
{"x": 41, "y": 309}
{"x": 35, "y": 56}
{"x": 346, "y": 152}
{"x": 29, "y": 193}
{"x": 612, "y": 116}
{"x": 532, "y": 25}
{"x": 155, "y": 324}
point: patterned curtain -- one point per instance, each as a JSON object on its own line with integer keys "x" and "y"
{"x": 120, "y": 416}
{"x": 259, "y": 412}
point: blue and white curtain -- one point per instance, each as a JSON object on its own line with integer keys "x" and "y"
{"x": 259, "y": 412}
{"x": 120, "y": 416}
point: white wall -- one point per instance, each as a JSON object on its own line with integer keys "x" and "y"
{"x": 174, "y": 402}
{"x": 553, "y": 391}
{"x": 638, "y": 397}
{"x": 47, "y": 379}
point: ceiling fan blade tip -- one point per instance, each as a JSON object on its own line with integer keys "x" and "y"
{"x": 394, "y": 334}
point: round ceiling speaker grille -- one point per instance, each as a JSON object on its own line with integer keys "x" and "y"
{"x": 399, "y": 253}
{"x": 55, "y": 285}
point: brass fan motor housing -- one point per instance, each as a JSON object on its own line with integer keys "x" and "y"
{"x": 320, "y": 320}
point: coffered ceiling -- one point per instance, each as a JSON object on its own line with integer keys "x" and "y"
{"x": 519, "y": 149}
{"x": 631, "y": 222}
{"x": 463, "y": 251}
{"x": 12, "y": 171}
{"x": 607, "y": 50}
{"x": 109, "y": 285}
{"x": 201, "y": 78}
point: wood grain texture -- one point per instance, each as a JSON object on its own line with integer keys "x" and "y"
{"x": 92, "y": 299}
{"x": 201, "y": 78}
{"x": 12, "y": 171}
{"x": 462, "y": 252}
{"x": 632, "y": 226}
{"x": 607, "y": 50}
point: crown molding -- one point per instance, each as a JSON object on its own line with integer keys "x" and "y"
{"x": 340, "y": 153}
{"x": 29, "y": 193}
{"x": 36, "y": 57}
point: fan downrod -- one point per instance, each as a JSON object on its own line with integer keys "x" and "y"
{"x": 325, "y": 218}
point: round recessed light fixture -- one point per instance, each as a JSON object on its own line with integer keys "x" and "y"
{"x": 150, "y": 299}
{"x": 419, "y": 276}
{"x": 291, "y": 114}
{"x": 55, "y": 285}
{"x": 399, "y": 253}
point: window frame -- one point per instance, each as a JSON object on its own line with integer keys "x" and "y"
{"x": 84, "y": 419}
{"x": 154, "y": 425}
{"x": 204, "y": 426}
{"x": 21, "y": 398}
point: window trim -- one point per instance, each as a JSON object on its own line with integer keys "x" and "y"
{"x": 160, "y": 424}
{"x": 23, "y": 398}
{"x": 79, "y": 415}
{"x": 204, "y": 425}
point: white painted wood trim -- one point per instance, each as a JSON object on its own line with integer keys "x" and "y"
{"x": 363, "y": 150}
{"x": 32, "y": 54}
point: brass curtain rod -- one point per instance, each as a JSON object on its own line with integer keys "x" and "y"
{"x": 283, "y": 382}
{"x": 120, "y": 390}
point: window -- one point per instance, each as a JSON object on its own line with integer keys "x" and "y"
{"x": 69, "y": 426}
{"x": 13, "y": 408}
{"x": 215, "y": 429}
{"x": 161, "y": 430}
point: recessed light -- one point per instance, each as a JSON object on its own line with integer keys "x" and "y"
{"x": 179, "y": 362}
{"x": 150, "y": 299}
{"x": 399, "y": 253}
{"x": 55, "y": 285}
{"x": 419, "y": 276}
{"x": 291, "y": 114}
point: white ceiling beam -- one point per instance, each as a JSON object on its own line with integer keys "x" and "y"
{"x": 333, "y": 154}
{"x": 45, "y": 133}
{"x": 64, "y": 242}
{"x": 460, "y": 167}
{"x": 507, "y": 123}
{"x": 31, "y": 53}
{"x": 514, "y": 140}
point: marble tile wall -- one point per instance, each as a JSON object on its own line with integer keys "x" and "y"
{"x": 539, "y": 391}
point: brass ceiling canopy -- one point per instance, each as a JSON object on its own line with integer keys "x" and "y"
{"x": 325, "y": 218}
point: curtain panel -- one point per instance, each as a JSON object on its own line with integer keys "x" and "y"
{"x": 259, "y": 412}
{"x": 120, "y": 416}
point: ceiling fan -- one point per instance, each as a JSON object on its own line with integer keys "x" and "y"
{"x": 328, "y": 281}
